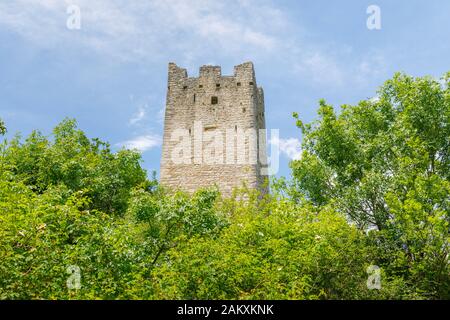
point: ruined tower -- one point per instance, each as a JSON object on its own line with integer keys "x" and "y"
{"x": 214, "y": 130}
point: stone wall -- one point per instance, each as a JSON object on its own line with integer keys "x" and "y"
{"x": 213, "y": 111}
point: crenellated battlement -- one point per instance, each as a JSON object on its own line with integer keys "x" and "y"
{"x": 210, "y": 72}
{"x": 242, "y": 71}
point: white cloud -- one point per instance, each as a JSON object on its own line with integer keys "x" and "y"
{"x": 160, "y": 115}
{"x": 143, "y": 140}
{"x": 139, "y": 115}
{"x": 290, "y": 147}
{"x": 190, "y": 32}
{"x": 320, "y": 68}
{"x": 142, "y": 143}
{"x": 371, "y": 66}
{"x": 143, "y": 29}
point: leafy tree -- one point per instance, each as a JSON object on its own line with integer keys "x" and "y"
{"x": 385, "y": 164}
{"x": 294, "y": 252}
{"x": 61, "y": 203}
{"x": 77, "y": 163}
{"x": 40, "y": 238}
{"x": 167, "y": 217}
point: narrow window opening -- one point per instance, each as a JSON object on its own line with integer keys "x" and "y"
{"x": 194, "y": 97}
{"x": 217, "y": 85}
{"x": 250, "y": 83}
{"x": 214, "y": 100}
{"x": 235, "y": 128}
{"x": 200, "y": 86}
{"x": 209, "y": 128}
{"x": 243, "y": 110}
{"x": 185, "y": 87}
{"x": 189, "y": 131}
{"x": 238, "y": 84}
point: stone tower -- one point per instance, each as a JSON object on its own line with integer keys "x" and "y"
{"x": 214, "y": 130}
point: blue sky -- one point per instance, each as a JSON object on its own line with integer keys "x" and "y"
{"x": 111, "y": 74}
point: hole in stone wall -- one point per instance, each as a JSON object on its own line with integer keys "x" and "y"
{"x": 238, "y": 84}
{"x": 214, "y": 100}
{"x": 194, "y": 97}
{"x": 200, "y": 86}
{"x": 217, "y": 85}
{"x": 185, "y": 87}
{"x": 250, "y": 83}
{"x": 210, "y": 128}
{"x": 243, "y": 109}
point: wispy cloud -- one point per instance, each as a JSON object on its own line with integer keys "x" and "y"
{"x": 143, "y": 29}
{"x": 142, "y": 143}
{"x": 139, "y": 115}
{"x": 320, "y": 68}
{"x": 154, "y": 30}
{"x": 290, "y": 147}
{"x": 141, "y": 124}
{"x": 160, "y": 115}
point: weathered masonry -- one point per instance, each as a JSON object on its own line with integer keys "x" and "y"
{"x": 212, "y": 130}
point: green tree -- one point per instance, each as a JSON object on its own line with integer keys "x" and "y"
{"x": 50, "y": 196}
{"x": 40, "y": 238}
{"x": 77, "y": 163}
{"x": 168, "y": 217}
{"x": 274, "y": 249}
{"x": 385, "y": 164}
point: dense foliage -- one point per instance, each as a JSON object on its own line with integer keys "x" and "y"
{"x": 371, "y": 189}
{"x": 385, "y": 164}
